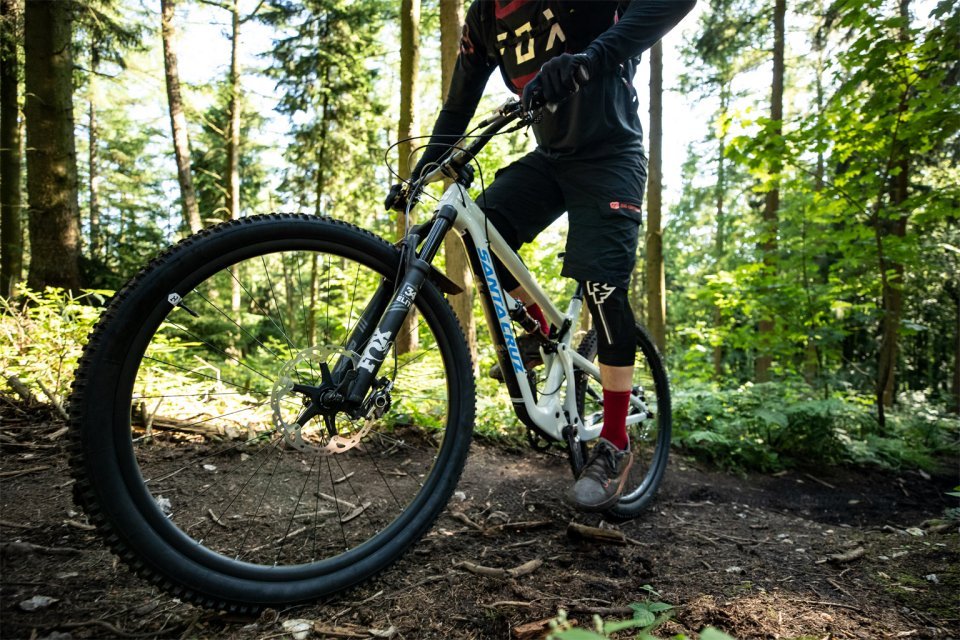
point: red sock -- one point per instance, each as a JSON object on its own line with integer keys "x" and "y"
{"x": 615, "y": 407}
{"x": 537, "y": 314}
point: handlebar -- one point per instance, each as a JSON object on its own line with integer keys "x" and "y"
{"x": 459, "y": 156}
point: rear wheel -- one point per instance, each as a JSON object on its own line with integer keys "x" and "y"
{"x": 205, "y": 442}
{"x": 648, "y": 423}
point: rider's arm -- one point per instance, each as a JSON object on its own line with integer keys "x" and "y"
{"x": 470, "y": 75}
{"x": 640, "y": 27}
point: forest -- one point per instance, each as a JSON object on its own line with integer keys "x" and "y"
{"x": 799, "y": 259}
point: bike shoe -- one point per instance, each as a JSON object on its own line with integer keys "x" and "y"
{"x": 601, "y": 482}
{"x": 529, "y": 345}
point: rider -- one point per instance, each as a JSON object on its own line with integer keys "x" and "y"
{"x": 581, "y": 58}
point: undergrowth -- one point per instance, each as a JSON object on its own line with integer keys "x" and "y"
{"x": 773, "y": 426}
{"x": 647, "y": 617}
{"x": 761, "y": 427}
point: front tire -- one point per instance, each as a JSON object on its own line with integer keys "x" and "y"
{"x": 184, "y": 436}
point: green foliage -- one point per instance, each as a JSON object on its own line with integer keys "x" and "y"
{"x": 43, "y": 335}
{"x": 647, "y": 617}
{"x": 768, "y": 427}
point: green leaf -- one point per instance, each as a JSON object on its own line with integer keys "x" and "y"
{"x": 714, "y": 634}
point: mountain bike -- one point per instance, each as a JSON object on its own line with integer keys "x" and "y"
{"x": 246, "y": 433}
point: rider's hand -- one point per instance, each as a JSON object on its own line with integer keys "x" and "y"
{"x": 396, "y": 198}
{"x": 561, "y": 77}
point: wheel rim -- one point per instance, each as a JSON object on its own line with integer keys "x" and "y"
{"x": 217, "y": 469}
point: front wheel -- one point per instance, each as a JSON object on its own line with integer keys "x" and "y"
{"x": 204, "y": 443}
{"x": 648, "y": 422}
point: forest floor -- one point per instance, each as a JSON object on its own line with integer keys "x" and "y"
{"x": 825, "y": 553}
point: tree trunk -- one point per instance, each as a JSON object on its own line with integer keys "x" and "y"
{"x": 178, "y": 121}
{"x": 955, "y": 386}
{"x": 233, "y": 137}
{"x": 93, "y": 173}
{"x": 458, "y": 267}
{"x": 51, "y": 154}
{"x": 408, "y": 340}
{"x": 720, "y": 195}
{"x": 233, "y": 127}
{"x": 11, "y": 241}
{"x": 892, "y": 271}
{"x": 772, "y": 202}
{"x": 656, "y": 301}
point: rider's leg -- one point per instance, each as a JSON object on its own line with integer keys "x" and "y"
{"x": 607, "y": 469}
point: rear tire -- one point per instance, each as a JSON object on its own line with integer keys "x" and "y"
{"x": 178, "y": 442}
{"x": 649, "y": 437}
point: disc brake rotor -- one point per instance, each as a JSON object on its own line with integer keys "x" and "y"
{"x": 328, "y": 433}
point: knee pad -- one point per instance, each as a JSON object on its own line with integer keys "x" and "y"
{"x": 614, "y": 323}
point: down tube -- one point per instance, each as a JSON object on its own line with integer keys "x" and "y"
{"x": 501, "y": 331}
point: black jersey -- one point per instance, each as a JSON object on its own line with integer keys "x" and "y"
{"x": 519, "y": 36}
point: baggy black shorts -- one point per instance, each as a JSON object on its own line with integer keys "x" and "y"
{"x": 601, "y": 190}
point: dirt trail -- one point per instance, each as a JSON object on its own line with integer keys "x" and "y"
{"x": 748, "y": 555}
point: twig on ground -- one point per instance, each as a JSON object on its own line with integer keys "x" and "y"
{"x": 339, "y": 501}
{"x": 29, "y": 547}
{"x": 600, "y": 611}
{"x": 819, "y": 481}
{"x": 279, "y": 540}
{"x": 582, "y": 532}
{"x": 23, "y": 472}
{"x": 494, "y": 572}
{"x": 507, "y": 603}
{"x": 53, "y": 398}
{"x": 836, "y": 586}
{"x": 14, "y": 525}
{"x": 849, "y": 556}
{"x": 112, "y": 629}
{"x": 79, "y": 525}
{"x": 465, "y": 519}
{"x": 217, "y": 520}
{"x": 822, "y": 603}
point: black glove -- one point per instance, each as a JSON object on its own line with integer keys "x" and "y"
{"x": 561, "y": 77}
{"x": 396, "y": 198}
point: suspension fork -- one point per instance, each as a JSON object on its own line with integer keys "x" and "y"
{"x": 392, "y": 314}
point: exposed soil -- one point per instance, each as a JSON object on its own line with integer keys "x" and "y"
{"x": 749, "y": 555}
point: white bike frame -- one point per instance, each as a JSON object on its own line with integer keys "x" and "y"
{"x": 557, "y": 404}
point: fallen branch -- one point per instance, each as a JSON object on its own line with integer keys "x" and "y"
{"x": 582, "y": 532}
{"x": 22, "y": 390}
{"x": 14, "y": 525}
{"x": 493, "y": 572}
